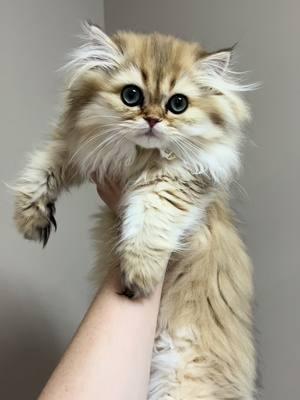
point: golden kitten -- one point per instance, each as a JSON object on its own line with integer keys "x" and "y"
{"x": 165, "y": 117}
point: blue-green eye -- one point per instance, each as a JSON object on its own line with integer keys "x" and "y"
{"x": 177, "y": 104}
{"x": 132, "y": 96}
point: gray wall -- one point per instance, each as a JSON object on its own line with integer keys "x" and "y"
{"x": 268, "y": 33}
{"x": 43, "y": 293}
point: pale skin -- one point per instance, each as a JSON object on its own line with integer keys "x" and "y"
{"x": 110, "y": 354}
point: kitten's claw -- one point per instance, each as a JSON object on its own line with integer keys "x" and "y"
{"x": 44, "y": 235}
{"x": 128, "y": 293}
{"x": 53, "y": 221}
{"x": 45, "y": 232}
{"x": 51, "y": 208}
{"x": 137, "y": 288}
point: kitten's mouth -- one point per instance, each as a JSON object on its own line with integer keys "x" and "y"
{"x": 149, "y": 138}
{"x": 150, "y": 133}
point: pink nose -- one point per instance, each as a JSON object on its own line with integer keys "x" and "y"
{"x": 152, "y": 121}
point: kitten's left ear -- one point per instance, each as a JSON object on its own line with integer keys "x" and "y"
{"x": 213, "y": 72}
{"x": 216, "y": 63}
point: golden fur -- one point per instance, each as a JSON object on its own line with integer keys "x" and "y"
{"x": 175, "y": 178}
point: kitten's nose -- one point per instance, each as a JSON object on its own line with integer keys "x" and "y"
{"x": 152, "y": 121}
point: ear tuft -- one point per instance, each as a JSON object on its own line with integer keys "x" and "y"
{"x": 217, "y": 62}
{"x": 97, "y": 51}
{"x": 213, "y": 71}
{"x": 92, "y": 33}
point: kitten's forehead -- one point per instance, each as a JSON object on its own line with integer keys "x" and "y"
{"x": 161, "y": 59}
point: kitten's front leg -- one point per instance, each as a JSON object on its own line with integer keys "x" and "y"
{"x": 37, "y": 190}
{"x": 154, "y": 219}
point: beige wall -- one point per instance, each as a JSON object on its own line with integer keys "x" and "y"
{"x": 268, "y": 32}
{"x": 43, "y": 293}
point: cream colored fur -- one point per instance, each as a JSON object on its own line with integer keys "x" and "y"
{"x": 174, "y": 215}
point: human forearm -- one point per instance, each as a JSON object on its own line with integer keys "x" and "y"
{"x": 110, "y": 354}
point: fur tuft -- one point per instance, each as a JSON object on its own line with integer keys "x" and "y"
{"x": 97, "y": 51}
{"x": 214, "y": 72}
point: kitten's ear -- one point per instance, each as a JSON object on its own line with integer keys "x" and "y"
{"x": 97, "y": 51}
{"x": 216, "y": 63}
{"x": 213, "y": 72}
{"x": 93, "y": 35}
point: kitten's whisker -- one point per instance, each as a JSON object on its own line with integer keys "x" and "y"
{"x": 180, "y": 147}
{"x": 91, "y": 139}
{"x": 192, "y": 148}
{"x": 82, "y": 145}
{"x": 190, "y": 154}
{"x": 101, "y": 147}
{"x": 188, "y": 145}
{"x": 116, "y": 141}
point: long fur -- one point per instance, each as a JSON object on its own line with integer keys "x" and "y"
{"x": 174, "y": 215}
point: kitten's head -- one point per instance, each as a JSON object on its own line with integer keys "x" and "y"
{"x": 154, "y": 91}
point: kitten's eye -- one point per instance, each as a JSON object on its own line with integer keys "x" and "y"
{"x": 177, "y": 104}
{"x": 132, "y": 95}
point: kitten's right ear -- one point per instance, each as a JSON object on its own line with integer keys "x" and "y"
{"x": 97, "y": 51}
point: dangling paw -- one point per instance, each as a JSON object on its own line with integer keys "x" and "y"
{"x": 139, "y": 282}
{"x": 35, "y": 218}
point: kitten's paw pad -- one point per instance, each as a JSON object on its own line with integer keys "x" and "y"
{"x": 137, "y": 285}
{"x": 35, "y": 219}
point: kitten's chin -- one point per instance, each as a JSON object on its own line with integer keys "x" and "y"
{"x": 148, "y": 142}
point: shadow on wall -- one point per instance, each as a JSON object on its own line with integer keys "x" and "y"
{"x": 29, "y": 347}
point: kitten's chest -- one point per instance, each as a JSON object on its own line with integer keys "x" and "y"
{"x": 150, "y": 167}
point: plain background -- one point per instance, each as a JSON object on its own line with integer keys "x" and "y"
{"x": 44, "y": 293}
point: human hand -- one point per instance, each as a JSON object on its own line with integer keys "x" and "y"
{"x": 110, "y": 192}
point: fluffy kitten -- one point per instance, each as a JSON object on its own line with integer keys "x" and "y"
{"x": 165, "y": 116}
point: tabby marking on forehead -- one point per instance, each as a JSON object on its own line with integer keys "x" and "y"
{"x": 158, "y": 57}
